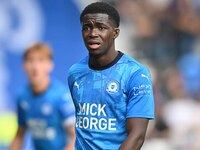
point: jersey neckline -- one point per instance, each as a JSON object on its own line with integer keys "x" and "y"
{"x": 120, "y": 54}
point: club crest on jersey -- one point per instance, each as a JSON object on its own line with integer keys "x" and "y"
{"x": 46, "y": 109}
{"x": 24, "y": 105}
{"x": 112, "y": 87}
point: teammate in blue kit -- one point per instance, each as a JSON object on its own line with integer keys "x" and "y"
{"x": 44, "y": 106}
{"x": 111, "y": 91}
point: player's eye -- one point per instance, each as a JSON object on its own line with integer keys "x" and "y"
{"x": 86, "y": 28}
{"x": 101, "y": 28}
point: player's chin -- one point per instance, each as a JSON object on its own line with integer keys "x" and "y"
{"x": 95, "y": 53}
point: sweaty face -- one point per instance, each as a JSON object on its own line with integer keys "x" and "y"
{"x": 98, "y": 33}
{"x": 37, "y": 67}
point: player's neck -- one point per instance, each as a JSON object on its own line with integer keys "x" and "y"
{"x": 40, "y": 86}
{"x": 103, "y": 60}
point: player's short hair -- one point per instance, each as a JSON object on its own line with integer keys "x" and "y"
{"x": 39, "y": 47}
{"x": 104, "y": 8}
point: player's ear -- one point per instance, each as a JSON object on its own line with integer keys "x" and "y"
{"x": 51, "y": 66}
{"x": 24, "y": 64}
{"x": 116, "y": 33}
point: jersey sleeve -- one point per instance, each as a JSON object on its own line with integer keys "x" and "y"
{"x": 70, "y": 80}
{"x": 21, "y": 113}
{"x": 66, "y": 109}
{"x": 140, "y": 102}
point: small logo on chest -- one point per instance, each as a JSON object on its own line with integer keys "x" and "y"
{"x": 112, "y": 87}
{"x": 24, "y": 105}
{"x": 46, "y": 109}
{"x": 76, "y": 84}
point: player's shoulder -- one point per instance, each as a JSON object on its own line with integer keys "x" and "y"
{"x": 58, "y": 92}
{"x": 132, "y": 64}
{"x": 23, "y": 93}
{"x": 57, "y": 86}
{"x": 24, "y": 90}
{"x": 136, "y": 73}
{"x": 79, "y": 66}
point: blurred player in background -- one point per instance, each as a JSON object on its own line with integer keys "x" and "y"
{"x": 44, "y": 106}
{"x": 111, "y": 91}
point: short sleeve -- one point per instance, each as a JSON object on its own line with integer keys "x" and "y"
{"x": 66, "y": 109}
{"x": 21, "y": 113}
{"x": 140, "y": 102}
{"x": 70, "y": 81}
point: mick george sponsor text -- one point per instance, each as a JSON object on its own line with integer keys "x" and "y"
{"x": 93, "y": 116}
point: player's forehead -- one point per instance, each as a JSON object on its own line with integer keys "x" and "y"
{"x": 37, "y": 55}
{"x": 96, "y": 18}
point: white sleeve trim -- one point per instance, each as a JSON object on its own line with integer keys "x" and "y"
{"x": 69, "y": 121}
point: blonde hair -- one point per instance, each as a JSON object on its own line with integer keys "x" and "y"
{"x": 39, "y": 47}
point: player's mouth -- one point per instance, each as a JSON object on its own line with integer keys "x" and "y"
{"x": 93, "y": 44}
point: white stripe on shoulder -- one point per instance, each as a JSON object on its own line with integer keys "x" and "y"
{"x": 69, "y": 121}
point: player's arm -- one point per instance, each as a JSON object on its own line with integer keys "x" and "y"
{"x": 136, "y": 129}
{"x": 67, "y": 113}
{"x": 140, "y": 108}
{"x": 18, "y": 140}
{"x": 71, "y": 133}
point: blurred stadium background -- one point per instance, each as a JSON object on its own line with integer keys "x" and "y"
{"x": 163, "y": 34}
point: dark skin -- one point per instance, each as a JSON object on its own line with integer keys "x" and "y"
{"x": 99, "y": 33}
{"x": 136, "y": 129}
{"x": 99, "y": 29}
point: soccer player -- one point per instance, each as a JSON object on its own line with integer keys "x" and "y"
{"x": 44, "y": 106}
{"x": 111, "y": 91}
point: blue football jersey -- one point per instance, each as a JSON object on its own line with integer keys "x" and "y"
{"x": 47, "y": 115}
{"x": 105, "y": 98}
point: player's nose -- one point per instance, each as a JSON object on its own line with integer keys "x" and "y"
{"x": 93, "y": 32}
